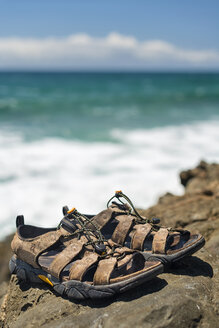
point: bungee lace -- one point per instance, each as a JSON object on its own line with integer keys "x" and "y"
{"x": 139, "y": 219}
{"x": 99, "y": 243}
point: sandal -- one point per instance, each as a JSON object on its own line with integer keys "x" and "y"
{"x": 122, "y": 223}
{"x": 76, "y": 260}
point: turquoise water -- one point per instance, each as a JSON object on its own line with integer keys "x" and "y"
{"x": 74, "y": 138}
{"x": 87, "y": 106}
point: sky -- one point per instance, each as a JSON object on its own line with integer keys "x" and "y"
{"x": 108, "y": 35}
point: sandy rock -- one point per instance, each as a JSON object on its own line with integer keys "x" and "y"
{"x": 203, "y": 179}
{"x": 5, "y": 255}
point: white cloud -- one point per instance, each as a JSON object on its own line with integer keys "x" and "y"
{"x": 113, "y": 51}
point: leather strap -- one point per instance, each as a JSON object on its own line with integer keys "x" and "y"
{"x": 176, "y": 239}
{"x": 159, "y": 241}
{"x": 124, "y": 250}
{"x": 29, "y": 250}
{"x": 134, "y": 261}
{"x": 101, "y": 219}
{"x": 80, "y": 267}
{"x": 65, "y": 257}
{"x": 104, "y": 271}
{"x": 122, "y": 229}
{"x": 139, "y": 236}
{"x": 124, "y": 261}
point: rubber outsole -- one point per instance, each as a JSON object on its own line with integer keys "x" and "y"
{"x": 74, "y": 289}
{"x": 167, "y": 260}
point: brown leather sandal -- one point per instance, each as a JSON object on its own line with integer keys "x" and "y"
{"x": 122, "y": 223}
{"x": 76, "y": 260}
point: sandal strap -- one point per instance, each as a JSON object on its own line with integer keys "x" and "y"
{"x": 124, "y": 250}
{"x": 122, "y": 229}
{"x": 80, "y": 267}
{"x": 101, "y": 219}
{"x": 124, "y": 261}
{"x": 176, "y": 238}
{"x": 63, "y": 258}
{"x": 127, "y": 258}
{"x": 159, "y": 241}
{"x": 104, "y": 270}
{"x": 30, "y": 250}
{"x": 139, "y": 236}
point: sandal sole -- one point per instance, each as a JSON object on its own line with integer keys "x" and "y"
{"x": 167, "y": 260}
{"x": 74, "y": 289}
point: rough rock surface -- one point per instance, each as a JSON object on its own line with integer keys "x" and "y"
{"x": 187, "y": 296}
{"x": 5, "y": 255}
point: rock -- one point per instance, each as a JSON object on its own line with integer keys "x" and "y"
{"x": 203, "y": 179}
{"x": 5, "y": 255}
{"x": 187, "y": 296}
{"x": 3, "y": 291}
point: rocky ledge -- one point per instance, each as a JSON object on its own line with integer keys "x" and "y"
{"x": 186, "y": 296}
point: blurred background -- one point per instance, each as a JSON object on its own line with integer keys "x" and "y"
{"x": 97, "y": 96}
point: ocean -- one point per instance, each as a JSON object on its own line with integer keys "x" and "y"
{"x": 74, "y": 138}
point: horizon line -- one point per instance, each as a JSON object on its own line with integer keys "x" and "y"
{"x": 113, "y": 71}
